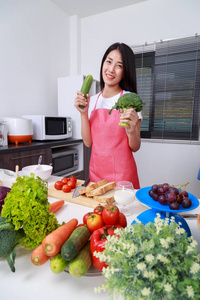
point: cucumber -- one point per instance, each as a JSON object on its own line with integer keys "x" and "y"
{"x": 75, "y": 243}
{"x": 86, "y": 87}
{"x": 58, "y": 264}
{"x": 80, "y": 264}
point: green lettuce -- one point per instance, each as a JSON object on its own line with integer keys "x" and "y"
{"x": 26, "y": 206}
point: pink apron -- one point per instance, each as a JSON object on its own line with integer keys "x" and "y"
{"x": 111, "y": 156}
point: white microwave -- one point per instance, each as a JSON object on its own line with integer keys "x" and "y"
{"x": 50, "y": 128}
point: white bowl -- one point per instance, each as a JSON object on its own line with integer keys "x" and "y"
{"x": 8, "y": 182}
{"x": 44, "y": 172}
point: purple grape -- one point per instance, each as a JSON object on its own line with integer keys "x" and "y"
{"x": 162, "y": 200}
{"x": 184, "y": 193}
{"x": 161, "y": 190}
{"x": 155, "y": 197}
{"x": 171, "y": 197}
{"x": 174, "y": 205}
{"x": 151, "y": 193}
{"x": 186, "y": 203}
{"x": 166, "y": 186}
{"x": 174, "y": 190}
{"x": 154, "y": 188}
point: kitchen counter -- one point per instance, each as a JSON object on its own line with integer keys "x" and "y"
{"x": 39, "y": 282}
{"x": 11, "y": 147}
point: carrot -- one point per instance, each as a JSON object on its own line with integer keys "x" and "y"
{"x": 38, "y": 257}
{"x": 53, "y": 242}
{"x": 55, "y": 206}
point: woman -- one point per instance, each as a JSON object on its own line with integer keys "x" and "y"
{"x": 112, "y": 145}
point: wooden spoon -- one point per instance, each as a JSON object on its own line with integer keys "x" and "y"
{"x": 16, "y": 171}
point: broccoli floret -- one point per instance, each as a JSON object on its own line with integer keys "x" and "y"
{"x": 128, "y": 100}
{"x": 9, "y": 239}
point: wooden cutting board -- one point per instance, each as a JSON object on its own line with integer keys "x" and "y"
{"x": 81, "y": 200}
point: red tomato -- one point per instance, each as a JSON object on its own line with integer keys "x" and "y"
{"x": 66, "y": 188}
{"x": 94, "y": 222}
{"x": 122, "y": 220}
{"x": 99, "y": 209}
{"x": 73, "y": 178}
{"x": 113, "y": 227}
{"x": 58, "y": 185}
{"x": 64, "y": 180}
{"x": 86, "y": 216}
{"x": 110, "y": 214}
{"x": 72, "y": 184}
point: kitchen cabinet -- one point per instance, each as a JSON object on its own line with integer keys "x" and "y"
{"x": 25, "y": 158}
{"x": 28, "y": 154}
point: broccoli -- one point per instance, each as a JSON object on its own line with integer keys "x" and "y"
{"x": 9, "y": 239}
{"x": 128, "y": 100}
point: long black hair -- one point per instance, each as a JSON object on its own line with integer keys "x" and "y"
{"x": 128, "y": 82}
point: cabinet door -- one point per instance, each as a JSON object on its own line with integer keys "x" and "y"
{"x": 25, "y": 158}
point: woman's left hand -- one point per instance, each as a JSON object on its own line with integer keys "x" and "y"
{"x": 130, "y": 117}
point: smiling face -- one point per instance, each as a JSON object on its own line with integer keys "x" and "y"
{"x": 112, "y": 71}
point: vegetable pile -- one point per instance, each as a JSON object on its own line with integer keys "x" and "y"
{"x": 28, "y": 219}
{"x": 128, "y": 100}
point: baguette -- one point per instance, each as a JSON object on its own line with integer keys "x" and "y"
{"x": 92, "y": 186}
{"x": 108, "y": 197}
{"x": 102, "y": 189}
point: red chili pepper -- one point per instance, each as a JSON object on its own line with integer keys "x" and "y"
{"x": 97, "y": 242}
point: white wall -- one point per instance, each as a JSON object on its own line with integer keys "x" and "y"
{"x": 34, "y": 52}
{"x": 147, "y": 21}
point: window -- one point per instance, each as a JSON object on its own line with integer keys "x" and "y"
{"x": 168, "y": 80}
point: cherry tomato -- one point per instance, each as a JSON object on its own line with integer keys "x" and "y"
{"x": 73, "y": 178}
{"x": 64, "y": 180}
{"x": 58, "y": 185}
{"x": 66, "y": 188}
{"x": 122, "y": 220}
{"x": 110, "y": 214}
{"x": 99, "y": 209}
{"x": 72, "y": 184}
{"x": 85, "y": 217}
{"x": 94, "y": 222}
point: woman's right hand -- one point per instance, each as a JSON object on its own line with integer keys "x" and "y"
{"x": 81, "y": 100}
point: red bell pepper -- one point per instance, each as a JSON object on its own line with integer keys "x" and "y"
{"x": 97, "y": 241}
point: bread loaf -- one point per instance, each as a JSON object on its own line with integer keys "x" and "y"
{"x": 92, "y": 186}
{"x": 102, "y": 189}
{"x": 108, "y": 197}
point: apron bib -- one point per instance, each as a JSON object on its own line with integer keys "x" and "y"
{"x": 111, "y": 156}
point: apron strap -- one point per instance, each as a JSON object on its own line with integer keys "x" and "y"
{"x": 121, "y": 93}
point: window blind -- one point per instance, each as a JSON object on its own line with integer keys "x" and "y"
{"x": 168, "y": 79}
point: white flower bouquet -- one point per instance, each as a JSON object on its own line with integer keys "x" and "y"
{"x": 153, "y": 261}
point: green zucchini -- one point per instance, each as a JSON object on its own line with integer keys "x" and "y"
{"x": 75, "y": 243}
{"x": 80, "y": 264}
{"x": 86, "y": 87}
